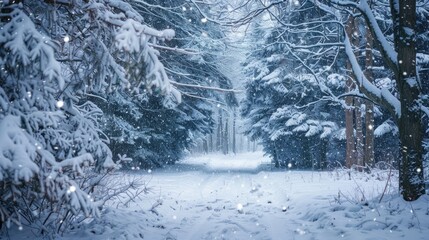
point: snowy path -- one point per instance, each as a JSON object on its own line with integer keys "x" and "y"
{"x": 238, "y": 197}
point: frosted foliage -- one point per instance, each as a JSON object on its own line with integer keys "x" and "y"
{"x": 273, "y": 77}
{"x": 84, "y": 137}
{"x": 341, "y": 134}
{"x": 302, "y": 128}
{"x": 283, "y": 112}
{"x": 114, "y": 49}
{"x": 314, "y": 127}
{"x": 328, "y": 128}
{"x": 386, "y": 127}
{"x": 278, "y": 133}
{"x": 422, "y": 58}
{"x": 337, "y": 80}
{"x": 296, "y": 119}
{"x": 16, "y": 152}
{"x": 24, "y": 159}
{"x": 26, "y": 45}
{"x": 134, "y": 37}
{"x": 44, "y": 150}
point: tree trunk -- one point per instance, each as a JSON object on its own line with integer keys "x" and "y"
{"x": 205, "y": 146}
{"x": 369, "y": 106}
{"x": 234, "y": 142}
{"x": 248, "y": 144}
{"x": 369, "y": 134}
{"x": 275, "y": 156}
{"x": 226, "y": 138}
{"x": 219, "y": 135}
{"x": 359, "y": 135}
{"x": 359, "y": 147}
{"x": 323, "y": 161}
{"x": 350, "y": 138}
{"x": 411, "y": 180}
{"x": 210, "y": 142}
{"x": 307, "y": 160}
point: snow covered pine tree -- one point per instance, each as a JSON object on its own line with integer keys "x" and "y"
{"x": 49, "y": 132}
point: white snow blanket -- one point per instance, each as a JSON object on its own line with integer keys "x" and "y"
{"x": 241, "y": 197}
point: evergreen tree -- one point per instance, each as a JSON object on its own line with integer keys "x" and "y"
{"x": 285, "y": 108}
{"x": 53, "y": 56}
{"x": 396, "y": 42}
{"x": 160, "y": 131}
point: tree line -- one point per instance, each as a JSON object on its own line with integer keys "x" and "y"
{"x": 367, "y": 58}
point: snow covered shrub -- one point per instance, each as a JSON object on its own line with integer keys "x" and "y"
{"x": 44, "y": 148}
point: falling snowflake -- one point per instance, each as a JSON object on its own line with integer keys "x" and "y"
{"x": 66, "y": 39}
{"x": 60, "y": 103}
{"x": 71, "y": 189}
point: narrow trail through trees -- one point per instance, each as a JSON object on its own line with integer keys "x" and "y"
{"x": 212, "y": 197}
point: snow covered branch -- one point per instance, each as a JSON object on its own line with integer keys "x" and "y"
{"x": 133, "y": 37}
{"x": 382, "y": 96}
{"x": 179, "y": 50}
{"x": 206, "y": 87}
{"x": 387, "y": 50}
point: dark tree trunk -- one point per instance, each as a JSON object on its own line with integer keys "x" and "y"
{"x": 210, "y": 142}
{"x": 350, "y": 136}
{"x": 359, "y": 147}
{"x": 219, "y": 135}
{"x": 275, "y": 156}
{"x": 234, "y": 141}
{"x": 359, "y": 135}
{"x": 323, "y": 161}
{"x": 369, "y": 106}
{"x": 307, "y": 161}
{"x": 369, "y": 134}
{"x": 411, "y": 180}
{"x": 350, "y": 139}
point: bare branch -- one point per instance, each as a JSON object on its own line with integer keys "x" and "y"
{"x": 381, "y": 96}
{"x": 387, "y": 50}
{"x": 179, "y": 50}
{"x": 206, "y": 87}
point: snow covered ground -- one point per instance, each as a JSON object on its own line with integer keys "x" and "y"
{"x": 240, "y": 197}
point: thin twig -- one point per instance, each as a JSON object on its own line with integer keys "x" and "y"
{"x": 387, "y": 183}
